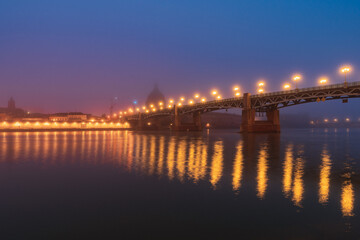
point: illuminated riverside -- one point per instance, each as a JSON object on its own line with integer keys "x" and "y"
{"x": 60, "y": 126}
{"x": 298, "y": 177}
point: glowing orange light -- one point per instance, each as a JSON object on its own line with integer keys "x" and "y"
{"x": 261, "y": 90}
{"x": 214, "y": 92}
{"x": 218, "y": 97}
{"x": 160, "y": 103}
{"x": 236, "y": 88}
{"x": 323, "y": 81}
{"x": 203, "y": 100}
{"x": 191, "y": 102}
{"x": 182, "y": 99}
{"x": 237, "y": 94}
{"x": 286, "y": 86}
{"x": 179, "y": 104}
{"x": 261, "y": 84}
{"x": 171, "y": 101}
{"x": 296, "y": 78}
{"x": 345, "y": 69}
{"x": 197, "y": 96}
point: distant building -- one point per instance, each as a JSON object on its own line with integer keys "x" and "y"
{"x": 155, "y": 97}
{"x": 11, "y": 104}
{"x": 11, "y": 111}
{"x": 71, "y": 116}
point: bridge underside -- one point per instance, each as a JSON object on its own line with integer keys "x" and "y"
{"x": 250, "y": 125}
{"x": 195, "y": 125}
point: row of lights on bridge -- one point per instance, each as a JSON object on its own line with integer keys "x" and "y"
{"x": 335, "y": 120}
{"x": 217, "y": 96}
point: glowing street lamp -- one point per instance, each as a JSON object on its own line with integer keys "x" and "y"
{"x": 182, "y": 99}
{"x": 171, "y": 101}
{"x": 236, "y": 88}
{"x": 214, "y": 92}
{"x": 296, "y": 78}
{"x": 323, "y": 81}
{"x": 160, "y": 103}
{"x": 237, "y": 94}
{"x": 203, "y": 100}
{"x": 261, "y": 86}
{"x": 218, "y": 97}
{"x": 191, "y": 102}
{"x": 286, "y": 86}
{"x": 345, "y": 70}
{"x": 196, "y": 96}
{"x": 179, "y": 104}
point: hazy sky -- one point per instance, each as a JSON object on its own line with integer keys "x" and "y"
{"x": 77, "y": 55}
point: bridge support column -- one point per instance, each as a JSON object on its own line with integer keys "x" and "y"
{"x": 179, "y": 126}
{"x": 248, "y": 123}
{"x": 197, "y": 121}
{"x": 140, "y": 123}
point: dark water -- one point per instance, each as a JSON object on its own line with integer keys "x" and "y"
{"x": 300, "y": 184}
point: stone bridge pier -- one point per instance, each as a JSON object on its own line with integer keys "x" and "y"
{"x": 250, "y": 125}
{"x": 178, "y": 125}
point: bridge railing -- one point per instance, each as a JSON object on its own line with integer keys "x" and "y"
{"x": 300, "y": 90}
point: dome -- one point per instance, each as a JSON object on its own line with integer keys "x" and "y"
{"x": 155, "y": 97}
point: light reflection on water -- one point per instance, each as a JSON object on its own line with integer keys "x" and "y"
{"x": 236, "y": 161}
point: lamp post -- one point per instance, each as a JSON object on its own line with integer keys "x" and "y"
{"x": 296, "y": 79}
{"x": 345, "y": 70}
{"x": 261, "y": 87}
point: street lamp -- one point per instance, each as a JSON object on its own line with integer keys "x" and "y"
{"x": 286, "y": 86}
{"x": 345, "y": 70}
{"x": 236, "y": 90}
{"x": 323, "y": 81}
{"x": 261, "y": 87}
{"x": 296, "y": 78}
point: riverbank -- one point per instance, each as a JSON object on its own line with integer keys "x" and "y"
{"x": 64, "y": 129}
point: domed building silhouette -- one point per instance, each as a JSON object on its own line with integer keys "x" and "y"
{"x": 155, "y": 97}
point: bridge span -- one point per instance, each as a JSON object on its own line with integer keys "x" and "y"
{"x": 268, "y": 103}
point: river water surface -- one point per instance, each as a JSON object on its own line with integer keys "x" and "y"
{"x": 218, "y": 184}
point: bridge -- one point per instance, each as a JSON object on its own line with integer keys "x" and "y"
{"x": 268, "y": 103}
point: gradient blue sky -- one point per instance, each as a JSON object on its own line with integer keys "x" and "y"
{"x": 76, "y": 55}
